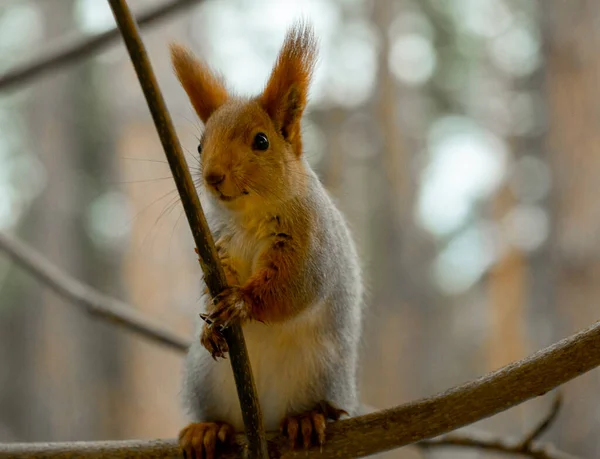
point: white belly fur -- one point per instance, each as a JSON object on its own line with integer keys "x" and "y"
{"x": 286, "y": 359}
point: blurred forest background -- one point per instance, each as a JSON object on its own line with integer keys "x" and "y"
{"x": 461, "y": 138}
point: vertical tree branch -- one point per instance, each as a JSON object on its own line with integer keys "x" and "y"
{"x": 213, "y": 271}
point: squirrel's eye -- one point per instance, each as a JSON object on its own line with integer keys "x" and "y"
{"x": 260, "y": 142}
{"x": 199, "y": 148}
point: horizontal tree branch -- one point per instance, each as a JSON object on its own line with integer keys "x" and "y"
{"x": 462, "y": 405}
{"x": 89, "y": 299}
{"x": 168, "y": 448}
{"x": 130, "y": 449}
{"x": 155, "y": 449}
{"x": 74, "y": 50}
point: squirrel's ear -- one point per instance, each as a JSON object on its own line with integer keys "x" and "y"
{"x": 284, "y": 97}
{"x": 204, "y": 89}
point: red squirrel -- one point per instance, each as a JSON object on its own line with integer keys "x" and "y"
{"x": 291, "y": 264}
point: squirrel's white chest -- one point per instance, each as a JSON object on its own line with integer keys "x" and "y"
{"x": 286, "y": 358}
{"x": 244, "y": 247}
{"x": 286, "y": 361}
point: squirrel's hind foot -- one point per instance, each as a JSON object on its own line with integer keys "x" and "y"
{"x": 308, "y": 429}
{"x": 200, "y": 440}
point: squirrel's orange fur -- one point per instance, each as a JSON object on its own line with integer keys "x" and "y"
{"x": 203, "y": 87}
{"x": 269, "y": 289}
{"x": 285, "y": 96}
{"x": 278, "y": 110}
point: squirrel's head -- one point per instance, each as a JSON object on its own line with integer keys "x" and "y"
{"x": 251, "y": 148}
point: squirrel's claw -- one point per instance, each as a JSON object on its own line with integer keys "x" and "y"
{"x": 205, "y": 317}
{"x": 214, "y": 342}
{"x": 202, "y": 439}
{"x": 330, "y": 411}
{"x": 308, "y": 428}
{"x": 230, "y": 306}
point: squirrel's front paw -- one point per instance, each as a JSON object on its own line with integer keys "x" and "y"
{"x": 200, "y": 439}
{"x": 214, "y": 342}
{"x": 230, "y": 305}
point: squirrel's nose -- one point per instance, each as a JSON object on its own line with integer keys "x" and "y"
{"x": 214, "y": 178}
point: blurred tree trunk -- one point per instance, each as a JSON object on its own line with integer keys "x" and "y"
{"x": 572, "y": 82}
{"x": 507, "y": 282}
{"x": 63, "y": 364}
{"x": 400, "y": 296}
{"x": 542, "y": 318}
{"x": 387, "y": 304}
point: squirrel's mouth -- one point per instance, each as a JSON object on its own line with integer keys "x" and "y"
{"x": 224, "y": 197}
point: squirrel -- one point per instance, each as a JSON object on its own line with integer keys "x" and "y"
{"x": 291, "y": 264}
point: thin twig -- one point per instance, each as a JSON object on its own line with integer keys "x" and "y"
{"x": 73, "y": 51}
{"x": 545, "y": 424}
{"x": 92, "y": 301}
{"x": 214, "y": 275}
{"x": 527, "y": 447}
{"x": 501, "y": 445}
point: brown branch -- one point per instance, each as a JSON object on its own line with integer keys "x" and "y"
{"x": 155, "y": 449}
{"x": 169, "y": 448}
{"x": 130, "y": 449}
{"x": 545, "y": 424}
{"x": 214, "y": 275}
{"x": 403, "y": 425}
{"x": 463, "y": 405}
{"x": 73, "y": 51}
{"x": 92, "y": 301}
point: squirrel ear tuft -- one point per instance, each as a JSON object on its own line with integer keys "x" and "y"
{"x": 203, "y": 87}
{"x": 285, "y": 95}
